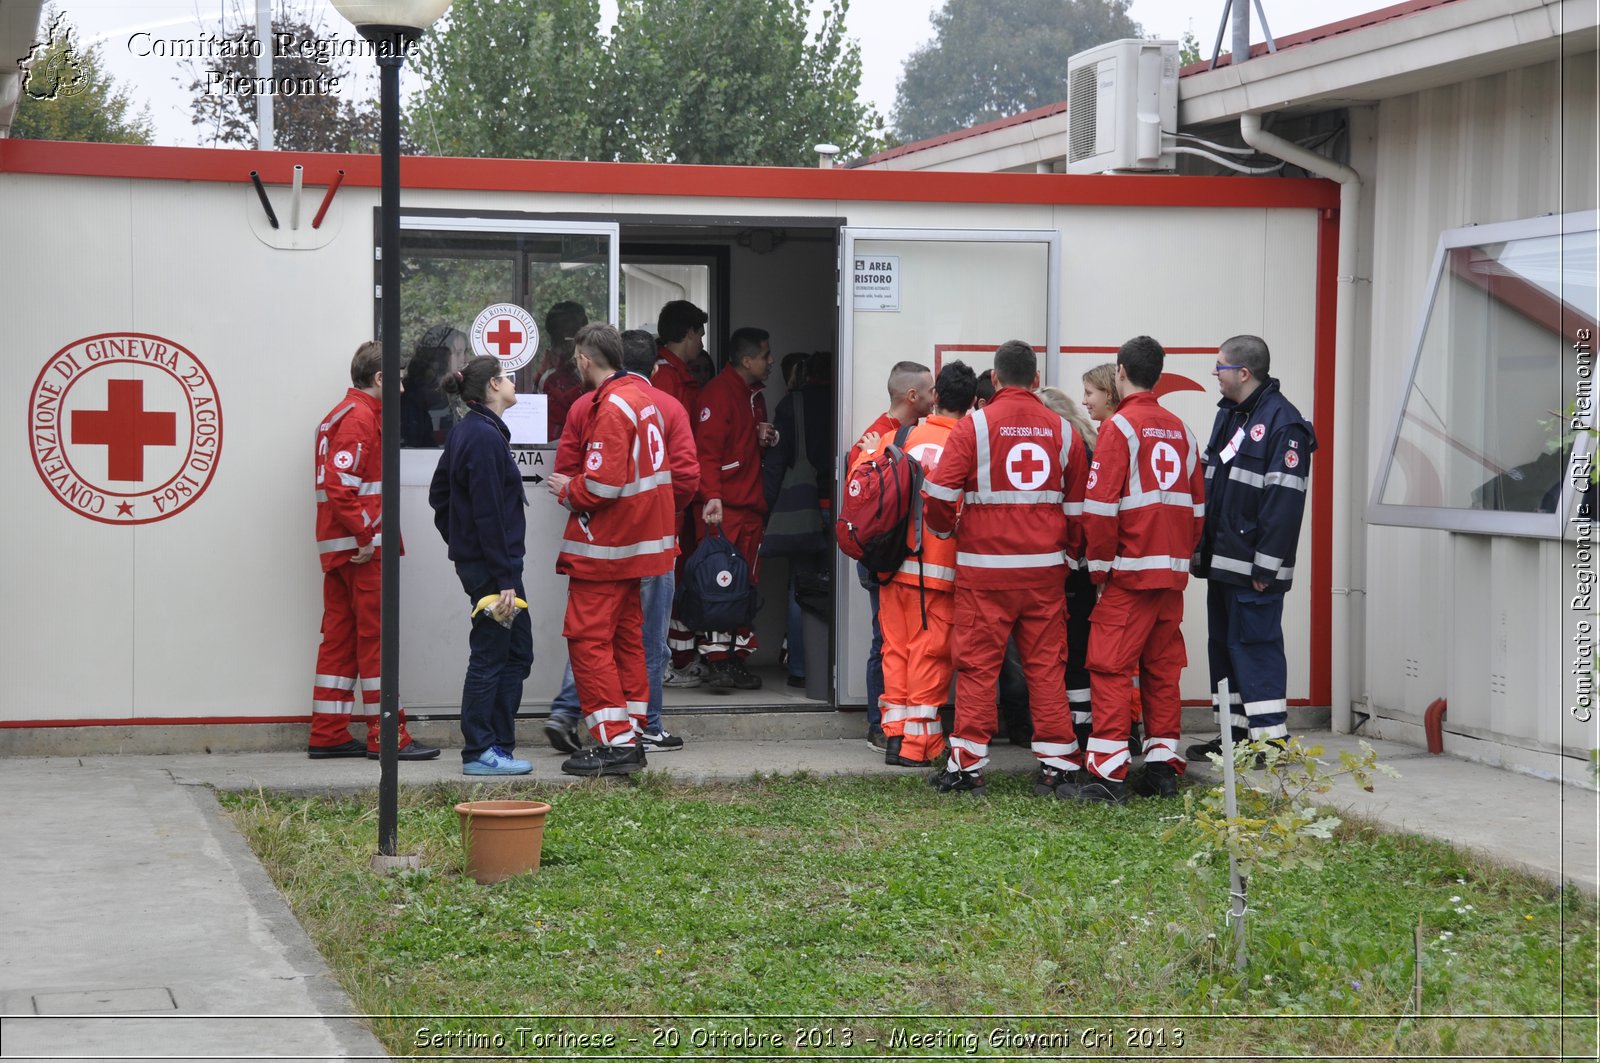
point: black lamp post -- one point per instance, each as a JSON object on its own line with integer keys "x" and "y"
{"x": 392, "y": 26}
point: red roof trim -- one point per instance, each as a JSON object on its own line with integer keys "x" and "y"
{"x": 962, "y": 134}
{"x": 1317, "y": 33}
{"x": 638, "y": 179}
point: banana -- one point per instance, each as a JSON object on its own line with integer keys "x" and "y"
{"x": 488, "y": 601}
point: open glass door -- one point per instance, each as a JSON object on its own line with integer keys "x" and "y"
{"x": 926, "y": 295}
{"x": 488, "y": 285}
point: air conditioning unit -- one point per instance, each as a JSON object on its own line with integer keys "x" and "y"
{"x": 1120, "y": 96}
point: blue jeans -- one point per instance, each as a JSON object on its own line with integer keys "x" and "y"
{"x": 655, "y": 601}
{"x": 498, "y": 663}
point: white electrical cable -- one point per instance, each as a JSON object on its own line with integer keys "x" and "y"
{"x": 1214, "y": 146}
{"x": 1229, "y": 163}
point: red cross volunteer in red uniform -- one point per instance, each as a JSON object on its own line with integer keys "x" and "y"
{"x": 1142, "y": 518}
{"x": 731, "y": 430}
{"x": 1018, "y": 470}
{"x": 681, "y": 333}
{"x": 620, "y": 530}
{"x": 349, "y": 477}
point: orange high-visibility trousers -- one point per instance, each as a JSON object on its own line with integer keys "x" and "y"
{"x": 602, "y": 628}
{"x": 917, "y": 667}
{"x": 1135, "y": 630}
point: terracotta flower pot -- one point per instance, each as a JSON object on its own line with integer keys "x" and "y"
{"x": 502, "y": 838}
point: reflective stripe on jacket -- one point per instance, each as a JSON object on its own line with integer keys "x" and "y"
{"x": 1016, "y": 470}
{"x": 623, "y": 522}
{"x": 1146, "y": 498}
{"x": 1257, "y": 470}
{"x": 349, "y": 479}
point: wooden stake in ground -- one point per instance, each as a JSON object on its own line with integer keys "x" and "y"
{"x": 1230, "y": 806}
{"x": 1416, "y": 970}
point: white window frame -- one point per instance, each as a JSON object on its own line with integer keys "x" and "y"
{"x": 1487, "y": 522}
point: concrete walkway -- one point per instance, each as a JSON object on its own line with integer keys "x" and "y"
{"x": 138, "y": 923}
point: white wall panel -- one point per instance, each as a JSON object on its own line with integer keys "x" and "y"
{"x": 66, "y": 584}
{"x": 1477, "y": 619}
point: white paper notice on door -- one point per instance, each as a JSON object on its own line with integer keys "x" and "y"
{"x": 877, "y": 283}
{"x": 529, "y": 419}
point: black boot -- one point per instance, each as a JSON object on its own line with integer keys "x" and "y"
{"x": 1156, "y": 780}
{"x": 892, "y": 757}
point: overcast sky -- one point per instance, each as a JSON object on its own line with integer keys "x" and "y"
{"x": 888, "y": 30}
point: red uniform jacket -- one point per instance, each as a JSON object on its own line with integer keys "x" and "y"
{"x": 682, "y": 458}
{"x": 1017, "y": 470}
{"x": 926, "y": 443}
{"x": 730, "y": 457}
{"x": 1145, "y": 506}
{"x": 673, "y": 377}
{"x": 886, "y": 425}
{"x": 622, "y": 523}
{"x": 349, "y": 466}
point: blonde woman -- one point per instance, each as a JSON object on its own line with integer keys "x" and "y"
{"x": 1100, "y": 396}
{"x": 1081, "y": 594}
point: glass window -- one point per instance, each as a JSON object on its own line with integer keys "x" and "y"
{"x": 451, "y": 270}
{"x": 1489, "y": 435}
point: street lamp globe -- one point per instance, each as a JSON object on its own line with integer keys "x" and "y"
{"x": 415, "y": 15}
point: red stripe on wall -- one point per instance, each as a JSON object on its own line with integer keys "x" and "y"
{"x": 1322, "y": 485}
{"x": 160, "y": 721}
{"x": 641, "y": 179}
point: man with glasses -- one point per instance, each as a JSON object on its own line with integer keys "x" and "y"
{"x": 1257, "y": 465}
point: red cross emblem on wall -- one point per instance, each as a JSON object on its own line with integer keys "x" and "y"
{"x": 125, "y": 428}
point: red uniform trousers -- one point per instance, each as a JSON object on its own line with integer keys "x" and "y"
{"x": 743, "y": 528}
{"x": 602, "y": 630}
{"x": 1135, "y": 630}
{"x": 351, "y": 616}
{"x": 984, "y": 619}
{"x": 916, "y": 667}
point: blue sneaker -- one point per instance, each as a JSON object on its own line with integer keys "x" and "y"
{"x": 496, "y": 761}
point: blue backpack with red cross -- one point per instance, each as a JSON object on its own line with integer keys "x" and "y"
{"x": 880, "y": 506}
{"x": 715, "y": 593}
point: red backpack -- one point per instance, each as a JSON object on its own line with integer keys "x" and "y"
{"x": 881, "y": 503}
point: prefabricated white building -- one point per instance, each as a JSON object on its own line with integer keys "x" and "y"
{"x": 187, "y": 590}
{"x": 1472, "y": 128}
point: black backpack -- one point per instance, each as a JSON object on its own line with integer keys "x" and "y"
{"x": 716, "y": 593}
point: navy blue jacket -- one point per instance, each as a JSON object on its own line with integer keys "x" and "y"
{"x": 1258, "y": 465}
{"x": 477, "y": 496}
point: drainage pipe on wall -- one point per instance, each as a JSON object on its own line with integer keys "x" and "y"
{"x": 1343, "y": 619}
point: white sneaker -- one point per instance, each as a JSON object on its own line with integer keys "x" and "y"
{"x": 659, "y": 741}
{"x": 692, "y": 676}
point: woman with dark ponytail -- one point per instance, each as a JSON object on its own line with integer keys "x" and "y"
{"x": 477, "y": 501}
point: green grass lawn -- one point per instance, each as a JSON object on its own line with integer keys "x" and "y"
{"x": 881, "y": 908}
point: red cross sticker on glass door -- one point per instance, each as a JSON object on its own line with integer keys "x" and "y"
{"x": 505, "y": 331}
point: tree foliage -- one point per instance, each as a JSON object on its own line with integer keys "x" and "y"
{"x": 735, "y": 82}
{"x": 341, "y": 120}
{"x": 514, "y": 80}
{"x": 989, "y": 61}
{"x": 68, "y": 95}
